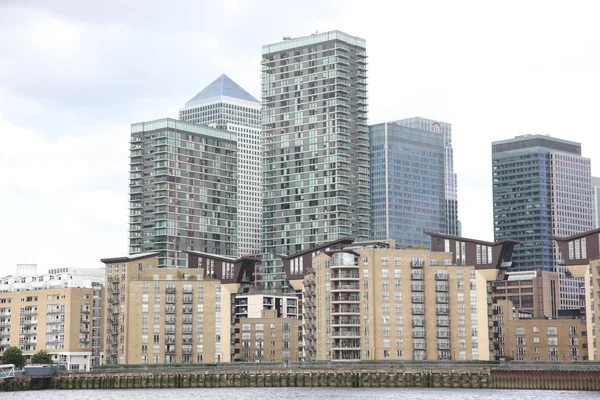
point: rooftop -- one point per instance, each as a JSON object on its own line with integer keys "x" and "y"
{"x": 223, "y": 86}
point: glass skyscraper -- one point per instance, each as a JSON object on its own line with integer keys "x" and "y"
{"x": 316, "y": 178}
{"x": 413, "y": 181}
{"x": 225, "y": 105}
{"x": 541, "y": 188}
{"x": 183, "y": 190}
{"x": 450, "y": 180}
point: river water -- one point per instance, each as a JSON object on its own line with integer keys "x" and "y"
{"x": 299, "y": 393}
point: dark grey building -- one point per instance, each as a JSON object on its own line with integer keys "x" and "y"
{"x": 315, "y": 146}
{"x": 542, "y": 188}
{"x": 183, "y": 190}
{"x": 410, "y": 180}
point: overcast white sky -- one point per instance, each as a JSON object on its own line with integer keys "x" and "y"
{"x": 74, "y": 74}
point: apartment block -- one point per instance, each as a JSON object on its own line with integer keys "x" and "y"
{"x": 518, "y": 336}
{"x": 183, "y": 190}
{"x": 254, "y": 305}
{"x": 376, "y": 301}
{"x": 582, "y": 260}
{"x": 160, "y": 315}
{"x": 315, "y": 138}
{"x": 268, "y": 338}
{"x": 531, "y": 292}
{"x": 59, "y": 312}
{"x": 225, "y": 105}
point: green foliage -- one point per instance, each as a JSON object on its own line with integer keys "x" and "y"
{"x": 41, "y": 357}
{"x": 420, "y": 247}
{"x": 13, "y": 355}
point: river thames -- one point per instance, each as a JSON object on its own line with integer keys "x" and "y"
{"x": 301, "y": 393}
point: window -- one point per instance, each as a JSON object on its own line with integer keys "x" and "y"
{"x": 552, "y": 330}
{"x": 385, "y": 273}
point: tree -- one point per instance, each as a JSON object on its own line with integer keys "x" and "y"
{"x": 41, "y": 357}
{"x": 13, "y": 355}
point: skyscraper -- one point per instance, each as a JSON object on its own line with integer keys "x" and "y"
{"x": 596, "y": 201}
{"x": 542, "y": 188}
{"x": 183, "y": 190}
{"x": 315, "y": 145}
{"x": 225, "y": 105}
{"x": 413, "y": 183}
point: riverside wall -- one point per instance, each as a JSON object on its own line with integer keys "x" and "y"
{"x": 475, "y": 378}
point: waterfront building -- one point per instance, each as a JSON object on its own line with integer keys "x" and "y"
{"x": 60, "y": 312}
{"x": 413, "y": 181}
{"x": 315, "y": 139}
{"x": 183, "y": 191}
{"x": 582, "y": 254}
{"x": 225, "y": 105}
{"x": 533, "y": 292}
{"x": 519, "y": 336}
{"x": 542, "y": 188}
{"x": 254, "y": 305}
{"x": 194, "y": 315}
{"x": 377, "y": 301}
{"x": 268, "y": 338}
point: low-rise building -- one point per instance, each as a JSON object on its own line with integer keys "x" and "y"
{"x": 533, "y": 292}
{"x": 268, "y": 338}
{"x": 521, "y": 337}
{"x": 59, "y": 312}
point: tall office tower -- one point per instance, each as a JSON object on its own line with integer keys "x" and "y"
{"x": 450, "y": 181}
{"x": 183, "y": 189}
{"x": 225, "y": 105}
{"x": 542, "y": 188}
{"x": 412, "y": 181}
{"x": 596, "y": 201}
{"x": 316, "y": 179}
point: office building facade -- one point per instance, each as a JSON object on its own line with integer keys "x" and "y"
{"x": 59, "y": 312}
{"x": 225, "y": 105}
{"x": 183, "y": 190}
{"x": 450, "y": 180}
{"x": 412, "y": 181}
{"x": 596, "y": 202}
{"x": 542, "y": 188}
{"x": 316, "y": 178}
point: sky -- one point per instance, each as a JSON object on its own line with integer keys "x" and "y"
{"x": 75, "y": 74}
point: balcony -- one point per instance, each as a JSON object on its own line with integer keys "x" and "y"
{"x": 417, "y": 264}
{"x": 417, "y": 275}
{"x": 188, "y": 299}
{"x": 417, "y": 288}
{"x": 342, "y": 276}
{"x": 345, "y": 288}
{"x": 345, "y": 322}
{"x": 341, "y": 333}
{"x": 441, "y": 286}
{"x": 345, "y": 299}
{"x": 345, "y": 310}
{"x": 441, "y": 275}
{"x": 170, "y": 289}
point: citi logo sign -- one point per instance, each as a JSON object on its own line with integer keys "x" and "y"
{"x": 435, "y": 127}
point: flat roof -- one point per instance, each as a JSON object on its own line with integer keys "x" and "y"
{"x": 128, "y": 258}
{"x": 292, "y": 43}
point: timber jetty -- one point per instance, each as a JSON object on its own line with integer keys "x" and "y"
{"x": 539, "y": 376}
